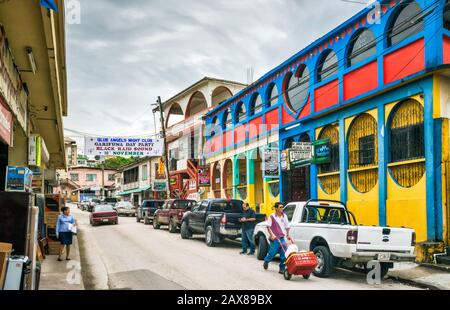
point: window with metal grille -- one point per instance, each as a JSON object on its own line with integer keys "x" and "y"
{"x": 367, "y": 150}
{"x": 256, "y": 105}
{"x": 362, "y": 47}
{"x": 447, "y": 15}
{"x": 407, "y": 143}
{"x": 331, "y": 133}
{"x": 408, "y": 22}
{"x": 328, "y": 66}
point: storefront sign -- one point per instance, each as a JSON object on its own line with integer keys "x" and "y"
{"x": 18, "y": 179}
{"x": 300, "y": 155}
{"x": 271, "y": 163}
{"x": 322, "y": 152}
{"x": 5, "y": 124}
{"x": 159, "y": 185}
{"x": 34, "y": 150}
{"x": 284, "y": 158}
{"x": 115, "y": 146}
{"x": 204, "y": 176}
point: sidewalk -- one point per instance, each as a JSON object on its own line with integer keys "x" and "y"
{"x": 421, "y": 276}
{"x": 62, "y": 275}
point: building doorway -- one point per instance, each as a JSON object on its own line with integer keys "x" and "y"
{"x": 296, "y": 182}
{"x": 3, "y": 164}
{"x": 259, "y": 182}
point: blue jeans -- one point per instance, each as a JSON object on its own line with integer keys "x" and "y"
{"x": 275, "y": 248}
{"x": 247, "y": 240}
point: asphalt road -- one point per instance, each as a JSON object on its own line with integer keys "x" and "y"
{"x": 134, "y": 256}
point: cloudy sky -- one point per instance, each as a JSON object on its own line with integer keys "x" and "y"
{"x": 125, "y": 53}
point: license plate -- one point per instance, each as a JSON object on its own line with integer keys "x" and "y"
{"x": 384, "y": 257}
{"x": 105, "y": 221}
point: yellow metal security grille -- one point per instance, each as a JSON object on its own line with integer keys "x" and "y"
{"x": 407, "y": 144}
{"x": 363, "y": 153}
{"x": 329, "y": 173}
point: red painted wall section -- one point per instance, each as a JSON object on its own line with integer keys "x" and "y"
{"x": 404, "y": 62}
{"x": 326, "y": 96}
{"x": 207, "y": 147}
{"x": 239, "y": 133}
{"x": 446, "y": 50}
{"x": 361, "y": 80}
{"x": 272, "y": 120}
{"x": 228, "y": 139}
{"x": 287, "y": 118}
{"x": 216, "y": 144}
{"x": 255, "y": 127}
{"x": 306, "y": 110}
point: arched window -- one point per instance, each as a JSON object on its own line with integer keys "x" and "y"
{"x": 363, "y": 153}
{"x": 328, "y": 66}
{"x": 329, "y": 173}
{"x": 407, "y": 143}
{"x": 214, "y": 126}
{"x": 216, "y": 180}
{"x": 256, "y": 105}
{"x": 240, "y": 112}
{"x": 227, "y": 120}
{"x": 297, "y": 88}
{"x": 273, "y": 96}
{"x": 362, "y": 47}
{"x": 407, "y": 22}
{"x": 447, "y": 15}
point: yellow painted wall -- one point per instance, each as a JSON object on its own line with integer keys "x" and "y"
{"x": 406, "y": 206}
{"x": 269, "y": 200}
{"x": 320, "y": 192}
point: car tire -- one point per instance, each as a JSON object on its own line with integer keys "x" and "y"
{"x": 172, "y": 227}
{"x": 185, "y": 232}
{"x": 263, "y": 247}
{"x": 209, "y": 236}
{"x": 156, "y": 224}
{"x": 325, "y": 258}
{"x": 146, "y": 220}
{"x": 385, "y": 267}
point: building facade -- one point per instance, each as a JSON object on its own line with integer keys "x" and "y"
{"x": 185, "y": 133}
{"x": 377, "y": 90}
{"x": 33, "y": 91}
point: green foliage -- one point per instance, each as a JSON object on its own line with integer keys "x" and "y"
{"x": 117, "y": 162}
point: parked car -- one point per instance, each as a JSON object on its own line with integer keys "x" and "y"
{"x": 84, "y": 205}
{"x": 172, "y": 214}
{"x": 93, "y": 203}
{"x": 103, "y": 214}
{"x": 112, "y": 201}
{"x": 147, "y": 209}
{"x": 331, "y": 231}
{"x": 125, "y": 208}
{"x": 217, "y": 219}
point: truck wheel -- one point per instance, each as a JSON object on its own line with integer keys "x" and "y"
{"x": 185, "y": 233}
{"x": 209, "y": 236}
{"x": 172, "y": 227}
{"x": 263, "y": 247}
{"x": 325, "y": 258}
{"x": 156, "y": 224}
{"x": 384, "y": 269}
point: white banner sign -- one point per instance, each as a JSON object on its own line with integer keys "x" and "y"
{"x": 114, "y": 146}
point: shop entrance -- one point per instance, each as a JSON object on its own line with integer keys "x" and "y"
{"x": 259, "y": 184}
{"x": 3, "y": 164}
{"x": 296, "y": 182}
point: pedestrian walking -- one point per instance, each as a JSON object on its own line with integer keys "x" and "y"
{"x": 65, "y": 226}
{"x": 278, "y": 227}
{"x": 248, "y": 227}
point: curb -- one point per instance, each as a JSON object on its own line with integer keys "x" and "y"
{"x": 415, "y": 283}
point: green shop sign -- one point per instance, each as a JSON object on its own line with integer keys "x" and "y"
{"x": 322, "y": 152}
{"x": 306, "y": 153}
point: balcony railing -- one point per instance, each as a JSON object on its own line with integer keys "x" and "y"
{"x": 11, "y": 85}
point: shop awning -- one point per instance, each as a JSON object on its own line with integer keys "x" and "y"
{"x": 135, "y": 191}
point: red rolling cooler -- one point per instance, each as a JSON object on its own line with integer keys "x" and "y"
{"x": 300, "y": 264}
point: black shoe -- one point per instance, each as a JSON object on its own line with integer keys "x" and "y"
{"x": 266, "y": 265}
{"x": 251, "y": 254}
{"x": 243, "y": 253}
{"x": 59, "y": 260}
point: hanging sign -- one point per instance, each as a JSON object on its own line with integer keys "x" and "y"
{"x": 271, "y": 163}
{"x": 284, "y": 158}
{"x": 322, "y": 152}
{"x": 18, "y": 179}
{"x": 5, "y": 124}
{"x": 300, "y": 155}
{"x": 204, "y": 176}
{"x": 115, "y": 146}
{"x": 159, "y": 185}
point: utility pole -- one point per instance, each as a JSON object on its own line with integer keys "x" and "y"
{"x": 165, "y": 152}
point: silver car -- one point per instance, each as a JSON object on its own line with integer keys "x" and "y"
{"x": 125, "y": 208}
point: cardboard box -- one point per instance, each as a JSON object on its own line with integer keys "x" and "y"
{"x": 53, "y": 247}
{"x": 50, "y": 218}
{"x": 5, "y": 252}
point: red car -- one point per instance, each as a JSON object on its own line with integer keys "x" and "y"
{"x": 172, "y": 214}
{"x": 104, "y": 214}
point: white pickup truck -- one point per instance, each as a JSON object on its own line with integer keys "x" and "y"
{"x": 330, "y": 230}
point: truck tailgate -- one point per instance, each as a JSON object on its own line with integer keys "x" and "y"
{"x": 233, "y": 221}
{"x": 384, "y": 239}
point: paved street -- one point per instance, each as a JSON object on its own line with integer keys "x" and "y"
{"x": 135, "y": 256}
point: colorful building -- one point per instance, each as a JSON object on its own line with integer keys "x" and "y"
{"x": 377, "y": 88}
